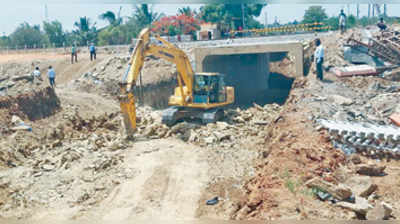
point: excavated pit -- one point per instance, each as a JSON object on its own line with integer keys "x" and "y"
{"x": 34, "y": 105}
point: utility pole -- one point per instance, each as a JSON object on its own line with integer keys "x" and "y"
{"x": 384, "y": 10}
{"x": 266, "y": 18}
{"x": 46, "y": 13}
{"x": 243, "y": 16}
{"x": 348, "y": 9}
{"x": 369, "y": 10}
{"x": 358, "y": 11}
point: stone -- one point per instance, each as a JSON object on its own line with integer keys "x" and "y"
{"x": 361, "y": 205}
{"x": 15, "y": 119}
{"x": 361, "y": 186}
{"x": 48, "y": 167}
{"x": 341, "y": 100}
{"x": 370, "y": 170}
{"x": 210, "y": 139}
{"x": 355, "y": 159}
{"x": 221, "y": 136}
{"x": 381, "y": 211}
{"x": 339, "y": 191}
{"x": 222, "y": 125}
{"x": 28, "y": 77}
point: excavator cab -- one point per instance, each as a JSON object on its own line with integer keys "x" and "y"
{"x": 209, "y": 88}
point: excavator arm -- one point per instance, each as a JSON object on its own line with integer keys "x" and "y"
{"x": 142, "y": 49}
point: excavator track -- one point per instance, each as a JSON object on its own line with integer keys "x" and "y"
{"x": 376, "y": 141}
{"x": 172, "y": 115}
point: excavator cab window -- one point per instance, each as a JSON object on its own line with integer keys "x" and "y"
{"x": 209, "y": 89}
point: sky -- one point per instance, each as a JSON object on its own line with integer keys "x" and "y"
{"x": 14, "y": 13}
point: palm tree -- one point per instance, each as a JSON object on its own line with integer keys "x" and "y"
{"x": 186, "y": 11}
{"x": 111, "y": 18}
{"x": 85, "y": 32}
{"x": 145, "y": 16}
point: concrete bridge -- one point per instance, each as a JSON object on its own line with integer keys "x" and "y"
{"x": 246, "y": 66}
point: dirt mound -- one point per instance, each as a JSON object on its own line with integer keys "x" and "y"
{"x": 34, "y": 105}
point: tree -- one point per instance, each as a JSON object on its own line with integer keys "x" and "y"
{"x": 54, "y": 32}
{"x": 144, "y": 16}
{"x": 230, "y": 15}
{"x": 111, "y": 18}
{"x": 314, "y": 14}
{"x": 27, "y": 35}
{"x": 180, "y": 24}
{"x": 186, "y": 11}
{"x": 84, "y": 31}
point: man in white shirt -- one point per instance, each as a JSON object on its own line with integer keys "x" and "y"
{"x": 319, "y": 58}
{"x": 37, "y": 74}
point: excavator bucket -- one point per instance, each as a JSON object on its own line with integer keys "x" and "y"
{"x": 128, "y": 109}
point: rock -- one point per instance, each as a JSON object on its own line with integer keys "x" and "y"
{"x": 355, "y": 159}
{"x": 182, "y": 127}
{"x": 381, "y": 211}
{"x": 28, "y": 77}
{"x": 210, "y": 139}
{"x": 370, "y": 170}
{"x": 221, "y": 136}
{"x": 361, "y": 186}
{"x": 16, "y": 120}
{"x": 361, "y": 205}
{"x": 339, "y": 191}
{"x": 221, "y": 125}
{"x": 48, "y": 167}
{"x": 341, "y": 100}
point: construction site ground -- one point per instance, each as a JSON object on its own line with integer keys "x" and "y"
{"x": 76, "y": 164}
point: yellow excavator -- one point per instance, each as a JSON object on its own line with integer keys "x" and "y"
{"x": 198, "y": 95}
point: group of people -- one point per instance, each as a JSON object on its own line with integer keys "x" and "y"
{"x": 319, "y": 51}
{"x": 74, "y": 53}
{"x": 343, "y": 19}
{"x": 51, "y": 74}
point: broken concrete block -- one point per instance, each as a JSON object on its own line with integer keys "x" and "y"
{"x": 341, "y": 100}
{"x": 370, "y": 169}
{"x": 16, "y": 120}
{"x": 339, "y": 191}
{"x": 395, "y": 118}
{"x": 28, "y": 77}
{"x": 221, "y": 136}
{"x": 361, "y": 186}
{"x": 381, "y": 211}
{"x": 361, "y": 205}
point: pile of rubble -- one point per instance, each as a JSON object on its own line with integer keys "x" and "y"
{"x": 237, "y": 126}
{"x": 17, "y": 78}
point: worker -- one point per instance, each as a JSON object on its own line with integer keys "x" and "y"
{"x": 319, "y": 58}
{"x": 92, "y": 49}
{"x": 74, "y": 54}
{"x": 37, "y": 74}
{"x": 342, "y": 21}
{"x": 381, "y": 25}
{"x": 52, "y": 75}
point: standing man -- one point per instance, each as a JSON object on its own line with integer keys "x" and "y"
{"x": 342, "y": 21}
{"x": 319, "y": 58}
{"x": 52, "y": 75}
{"x": 74, "y": 54}
{"x": 92, "y": 50}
